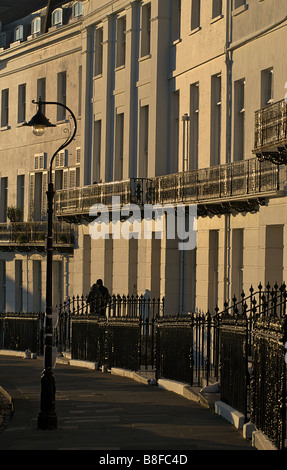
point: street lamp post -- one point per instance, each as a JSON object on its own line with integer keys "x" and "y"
{"x": 47, "y": 418}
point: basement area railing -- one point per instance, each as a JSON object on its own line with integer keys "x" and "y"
{"x": 242, "y": 347}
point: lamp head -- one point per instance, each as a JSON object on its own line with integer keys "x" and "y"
{"x": 39, "y": 122}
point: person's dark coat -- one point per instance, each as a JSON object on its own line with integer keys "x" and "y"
{"x": 98, "y": 298}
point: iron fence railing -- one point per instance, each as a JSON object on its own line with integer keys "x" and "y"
{"x": 114, "y": 306}
{"x": 252, "y": 359}
{"x": 125, "y": 320}
{"x": 112, "y": 342}
{"x": 243, "y": 347}
{"x": 271, "y": 125}
{"x": 268, "y": 378}
{"x": 187, "y": 348}
{"x": 22, "y": 331}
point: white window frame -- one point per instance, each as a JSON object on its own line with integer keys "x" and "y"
{"x": 78, "y": 9}
{"x": 57, "y": 17}
{"x": 40, "y": 161}
{"x": 19, "y": 29}
{"x": 36, "y": 25}
{"x": 61, "y": 159}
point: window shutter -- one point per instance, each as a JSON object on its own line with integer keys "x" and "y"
{"x": 44, "y": 195}
{"x": 78, "y": 156}
{"x": 72, "y": 175}
{"x": 31, "y": 196}
{"x": 62, "y": 159}
{"x": 65, "y": 179}
{"x": 41, "y": 162}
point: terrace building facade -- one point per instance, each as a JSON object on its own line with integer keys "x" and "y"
{"x": 179, "y": 104}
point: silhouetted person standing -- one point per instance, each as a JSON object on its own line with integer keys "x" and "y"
{"x": 98, "y": 298}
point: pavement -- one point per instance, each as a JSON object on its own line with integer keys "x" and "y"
{"x": 108, "y": 413}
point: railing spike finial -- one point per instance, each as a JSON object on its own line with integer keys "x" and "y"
{"x": 260, "y": 286}
{"x": 283, "y": 287}
{"x": 268, "y": 286}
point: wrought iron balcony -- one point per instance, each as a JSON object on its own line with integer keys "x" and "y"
{"x": 28, "y": 236}
{"x": 271, "y": 133}
{"x": 234, "y": 187}
{"x": 75, "y": 203}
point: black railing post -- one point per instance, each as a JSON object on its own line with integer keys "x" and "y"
{"x": 191, "y": 358}
{"x": 146, "y": 341}
{"x": 140, "y": 343}
{"x": 247, "y": 350}
{"x": 217, "y": 342}
{"x": 283, "y": 402}
{"x": 207, "y": 360}
{"x": 152, "y": 320}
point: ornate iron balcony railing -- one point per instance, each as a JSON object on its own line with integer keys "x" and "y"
{"x": 242, "y": 179}
{"x": 75, "y": 201}
{"x": 271, "y": 132}
{"x": 271, "y": 125}
{"x": 29, "y": 235}
{"x": 246, "y": 180}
